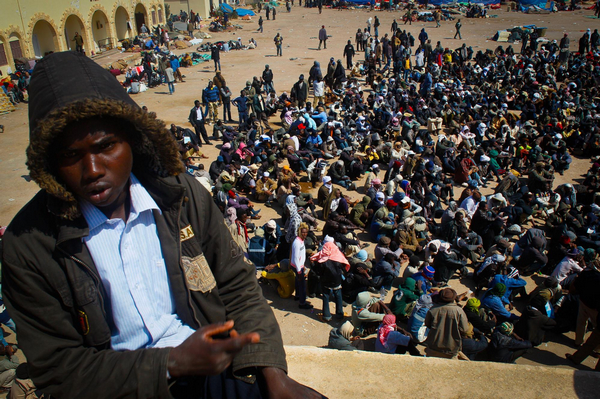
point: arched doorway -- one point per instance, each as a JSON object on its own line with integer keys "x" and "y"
{"x": 141, "y": 17}
{"x": 43, "y": 38}
{"x": 4, "y": 52}
{"x": 15, "y": 46}
{"x": 100, "y": 31}
{"x": 161, "y": 19}
{"x": 74, "y": 24}
{"x": 122, "y": 23}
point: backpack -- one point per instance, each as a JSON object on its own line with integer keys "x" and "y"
{"x": 259, "y": 251}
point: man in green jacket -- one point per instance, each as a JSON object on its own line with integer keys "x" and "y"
{"x": 121, "y": 269}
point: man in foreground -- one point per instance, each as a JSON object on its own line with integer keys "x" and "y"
{"x": 121, "y": 269}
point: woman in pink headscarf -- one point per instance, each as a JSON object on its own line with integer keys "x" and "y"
{"x": 328, "y": 263}
{"x": 390, "y": 336}
{"x": 244, "y": 153}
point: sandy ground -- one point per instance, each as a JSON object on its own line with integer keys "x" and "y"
{"x": 299, "y": 30}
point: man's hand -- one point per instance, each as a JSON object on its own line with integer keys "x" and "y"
{"x": 205, "y": 354}
{"x": 279, "y": 385}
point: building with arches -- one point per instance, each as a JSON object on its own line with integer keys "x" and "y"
{"x": 34, "y": 28}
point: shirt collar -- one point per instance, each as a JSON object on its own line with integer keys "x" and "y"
{"x": 141, "y": 201}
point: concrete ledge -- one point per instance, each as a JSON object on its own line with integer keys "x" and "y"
{"x": 340, "y": 374}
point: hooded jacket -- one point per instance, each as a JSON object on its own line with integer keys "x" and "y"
{"x": 51, "y": 286}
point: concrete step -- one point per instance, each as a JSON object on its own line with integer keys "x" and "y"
{"x": 358, "y": 374}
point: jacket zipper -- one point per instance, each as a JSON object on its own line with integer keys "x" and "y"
{"x": 180, "y": 265}
{"x": 94, "y": 277}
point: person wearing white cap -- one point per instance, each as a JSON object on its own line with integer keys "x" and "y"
{"x": 468, "y": 137}
{"x": 324, "y": 190}
{"x": 371, "y": 175}
{"x": 393, "y": 186}
{"x": 266, "y": 188}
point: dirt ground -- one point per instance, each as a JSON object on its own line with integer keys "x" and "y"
{"x": 300, "y": 30}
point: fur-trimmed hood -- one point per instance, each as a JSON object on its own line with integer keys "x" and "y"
{"x": 67, "y": 87}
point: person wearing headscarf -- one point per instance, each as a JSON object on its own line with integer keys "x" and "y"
{"x": 324, "y": 191}
{"x": 341, "y": 338}
{"x": 315, "y": 72}
{"x": 374, "y": 189}
{"x": 447, "y": 324}
{"x": 293, "y": 222}
{"x": 230, "y": 216}
{"x": 367, "y": 313}
{"x": 424, "y": 278}
{"x": 404, "y": 298}
{"x": 506, "y": 346}
{"x": 330, "y": 263}
{"x": 266, "y": 189}
{"x": 239, "y": 229}
{"x": 493, "y": 301}
{"x": 389, "y": 336}
{"x": 339, "y": 76}
{"x": 416, "y": 321}
{"x": 478, "y": 317}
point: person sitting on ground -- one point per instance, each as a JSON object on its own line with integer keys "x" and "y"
{"x": 404, "y": 298}
{"x": 23, "y": 387}
{"x": 506, "y": 346}
{"x": 8, "y": 365}
{"x": 392, "y": 338}
{"x": 534, "y": 321}
{"x": 367, "y": 313}
{"x": 495, "y": 301}
{"x": 446, "y": 322}
{"x": 265, "y": 189}
{"x": 479, "y": 317}
{"x": 341, "y": 338}
{"x": 416, "y": 322}
{"x": 424, "y": 279}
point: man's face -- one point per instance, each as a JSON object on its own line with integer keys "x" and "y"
{"x": 303, "y": 234}
{"x": 94, "y": 160}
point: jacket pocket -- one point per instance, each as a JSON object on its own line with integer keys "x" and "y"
{"x": 85, "y": 292}
{"x": 198, "y": 275}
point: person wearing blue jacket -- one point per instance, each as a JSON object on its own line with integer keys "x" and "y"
{"x": 241, "y": 103}
{"x": 493, "y": 301}
{"x": 514, "y": 284}
{"x": 211, "y": 97}
{"x": 175, "y": 65}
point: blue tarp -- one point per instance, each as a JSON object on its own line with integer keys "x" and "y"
{"x": 242, "y": 12}
{"x": 226, "y": 8}
{"x": 446, "y": 2}
{"x": 525, "y": 5}
{"x": 359, "y": 2}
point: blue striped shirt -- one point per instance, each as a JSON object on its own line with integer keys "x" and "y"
{"x": 129, "y": 260}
